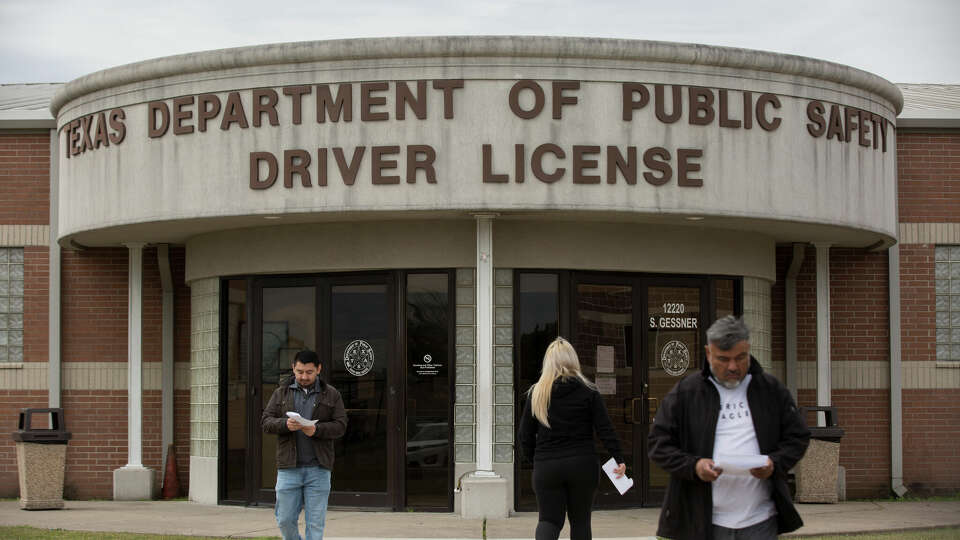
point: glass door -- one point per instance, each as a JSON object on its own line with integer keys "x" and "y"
{"x": 603, "y": 334}
{"x": 674, "y": 325}
{"x": 359, "y": 330}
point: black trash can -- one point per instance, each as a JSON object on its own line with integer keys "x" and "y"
{"x": 817, "y": 475}
{"x": 41, "y": 459}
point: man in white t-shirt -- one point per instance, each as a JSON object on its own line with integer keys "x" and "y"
{"x": 727, "y": 436}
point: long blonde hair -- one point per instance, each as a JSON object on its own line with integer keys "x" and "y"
{"x": 560, "y": 361}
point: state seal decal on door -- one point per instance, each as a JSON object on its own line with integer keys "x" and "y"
{"x": 358, "y": 357}
{"x": 675, "y": 358}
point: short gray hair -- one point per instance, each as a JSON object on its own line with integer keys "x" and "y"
{"x": 727, "y": 332}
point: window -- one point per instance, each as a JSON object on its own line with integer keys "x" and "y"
{"x": 948, "y": 303}
{"x": 11, "y": 304}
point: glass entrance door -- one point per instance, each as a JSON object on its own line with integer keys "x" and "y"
{"x": 603, "y": 335}
{"x": 673, "y": 350}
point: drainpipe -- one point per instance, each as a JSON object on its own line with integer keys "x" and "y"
{"x": 167, "y": 367}
{"x": 896, "y": 376}
{"x": 54, "y": 381}
{"x": 824, "y": 379}
{"x": 790, "y": 371}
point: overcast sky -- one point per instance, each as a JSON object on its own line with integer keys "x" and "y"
{"x": 58, "y": 40}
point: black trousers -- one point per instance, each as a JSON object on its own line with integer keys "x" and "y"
{"x": 565, "y": 488}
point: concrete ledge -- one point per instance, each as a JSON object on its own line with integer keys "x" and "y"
{"x": 484, "y": 497}
{"x": 132, "y": 484}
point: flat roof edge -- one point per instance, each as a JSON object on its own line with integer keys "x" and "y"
{"x": 476, "y": 46}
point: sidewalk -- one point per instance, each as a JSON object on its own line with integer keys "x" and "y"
{"x": 175, "y": 517}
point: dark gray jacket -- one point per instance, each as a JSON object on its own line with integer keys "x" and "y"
{"x": 328, "y": 412}
{"x": 684, "y": 430}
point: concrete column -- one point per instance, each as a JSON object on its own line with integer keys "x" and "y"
{"x": 134, "y": 481}
{"x": 484, "y": 494}
{"x": 824, "y": 382}
{"x": 896, "y": 375}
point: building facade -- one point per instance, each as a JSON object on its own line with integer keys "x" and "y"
{"x": 428, "y": 213}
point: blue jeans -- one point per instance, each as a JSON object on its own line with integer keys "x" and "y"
{"x": 305, "y": 488}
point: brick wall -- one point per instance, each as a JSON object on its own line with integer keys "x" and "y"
{"x": 917, "y": 296}
{"x": 859, "y": 329}
{"x": 931, "y": 431}
{"x": 25, "y": 179}
{"x": 94, "y": 315}
{"x": 928, "y": 177}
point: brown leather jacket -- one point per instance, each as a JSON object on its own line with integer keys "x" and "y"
{"x": 331, "y": 423}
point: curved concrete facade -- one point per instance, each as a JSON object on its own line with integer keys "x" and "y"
{"x": 531, "y": 128}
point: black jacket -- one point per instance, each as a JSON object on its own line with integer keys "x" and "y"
{"x": 331, "y": 423}
{"x": 575, "y": 412}
{"x": 684, "y": 430}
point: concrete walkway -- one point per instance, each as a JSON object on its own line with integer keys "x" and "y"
{"x": 175, "y": 517}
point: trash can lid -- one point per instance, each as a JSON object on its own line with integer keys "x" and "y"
{"x": 56, "y": 434}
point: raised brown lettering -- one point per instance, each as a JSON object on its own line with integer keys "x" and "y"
{"x": 414, "y": 151}
{"x": 762, "y": 102}
{"x": 862, "y": 118}
{"x": 580, "y": 162}
{"x": 342, "y": 106}
{"x": 627, "y": 168}
{"x": 701, "y": 106}
{"x": 379, "y": 164}
{"x": 269, "y": 107}
{"x": 271, "y": 161}
{"x": 448, "y": 86}
{"x": 848, "y": 124}
{"x": 538, "y": 99}
{"x": 629, "y": 103}
{"x": 660, "y": 105}
{"x": 519, "y": 163}
{"x": 368, "y": 101}
{"x": 234, "y": 113}
{"x": 817, "y": 126}
{"x": 405, "y": 98}
{"x": 835, "y": 127}
{"x": 85, "y": 123}
{"x": 349, "y": 172}
{"x": 685, "y": 167}
{"x": 205, "y": 113}
{"x": 725, "y": 120}
{"x": 180, "y": 116}
{"x": 117, "y": 116}
{"x": 559, "y": 100}
{"x": 488, "y": 176}
{"x": 296, "y": 94}
{"x": 662, "y": 166}
{"x": 537, "y": 163}
{"x": 100, "y": 138}
{"x": 296, "y": 162}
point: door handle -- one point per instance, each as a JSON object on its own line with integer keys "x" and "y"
{"x": 654, "y": 407}
{"x": 633, "y": 410}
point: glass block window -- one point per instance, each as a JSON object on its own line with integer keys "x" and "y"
{"x": 948, "y": 303}
{"x": 11, "y": 304}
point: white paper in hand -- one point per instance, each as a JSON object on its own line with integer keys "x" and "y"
{"x": 300, "y": 420}
{"x": 738, "y": 464}
{"x": 623, "y": 483}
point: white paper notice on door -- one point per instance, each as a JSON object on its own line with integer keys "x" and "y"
{"x": 604, "y": 359}
{"x": 607, "y": 384}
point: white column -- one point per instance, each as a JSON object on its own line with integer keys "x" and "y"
{"x": 167, "y": 379}
{"x": 896, "y": 375}
{"x": 53, "y": 296}
{"x": 135, "y": 356}
{"x": 485, "y": 342}
{"x": 134, "y": 481}
{"x": 824, "y": 382}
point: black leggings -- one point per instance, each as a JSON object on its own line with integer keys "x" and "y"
{"x": 565, "y": 487}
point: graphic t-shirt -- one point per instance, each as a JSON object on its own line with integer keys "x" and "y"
{"x": 740, "y": 499}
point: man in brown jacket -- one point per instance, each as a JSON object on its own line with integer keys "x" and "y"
{"x": 306, "y": 414}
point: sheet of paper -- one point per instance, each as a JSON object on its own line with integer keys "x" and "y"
{"x": 300, "y": 420}
{"x": 734, "y": 464}
{"x": 606, "y": 384}
{"x": 623, "y": 483}
{"x": 604, "y": 359}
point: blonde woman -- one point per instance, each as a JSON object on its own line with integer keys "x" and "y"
{"x": 562, "y": 412}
